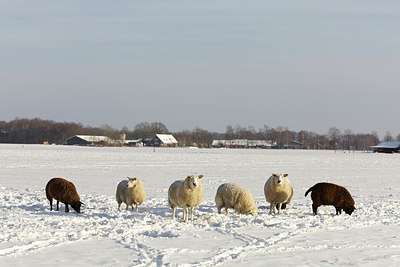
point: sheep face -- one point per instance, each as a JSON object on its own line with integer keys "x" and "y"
{"x": 349, "y": 210}
{"x": 131, "y": 182}
{"x": 193, "y": 180}
{"x": 278, "y": 178}
{"x": 76, "y": 206}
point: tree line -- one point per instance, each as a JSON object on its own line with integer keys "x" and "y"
{"x": 38, "y": 131}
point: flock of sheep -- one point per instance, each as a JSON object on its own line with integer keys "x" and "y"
{"x": 188, "y": 193}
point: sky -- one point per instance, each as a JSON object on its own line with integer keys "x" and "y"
{"x": 306, "y": 65}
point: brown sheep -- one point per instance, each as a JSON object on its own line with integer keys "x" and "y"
{"x": 331, "y": 194}
{"x": 63, "y": 191}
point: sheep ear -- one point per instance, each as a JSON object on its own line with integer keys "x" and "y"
{"x": 81, "y": 203}
{"x": 285, "y": 175}
{"x": 134, "y": 179}
{"x": 274, "y": 174}
{"x": 200, "y": 176}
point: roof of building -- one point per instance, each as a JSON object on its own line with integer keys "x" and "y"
{"x": 241, "y": 142}
{"x": 133, "y": 141}
{"x": 392, "y": 144}
{"x": 167, "y": 138}
{"x": 93, "y": 138}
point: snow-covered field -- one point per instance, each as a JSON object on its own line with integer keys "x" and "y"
{"x": 32, "y": 235}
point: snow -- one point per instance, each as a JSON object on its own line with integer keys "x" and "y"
{"x": 31, "y": 234}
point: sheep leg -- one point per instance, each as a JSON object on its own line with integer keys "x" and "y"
{"x": 314, "y": 208}
{"x": 219, "y": 210}
{"x": 220, "y": 203}
{"x": 66, "y": 208}
{"x": 192, "y": 212}
{"x": 185, "y": 214}
{"x": 338, "y": 211}
{"x": 219, "y": 207}
{"x": 51, "y": 204}
{"x": 226, "y": 210}
{"x": 130, "y": 205}
{"x": 279, "y": 207}
{"x": 137, "y": 208}
{"x": 58, "y": 205}
{"x": 119, "y": 206}
{"x": 173, "y": 213}
{"x": 272, "y": 208}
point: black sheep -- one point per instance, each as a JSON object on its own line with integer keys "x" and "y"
{"x": 331, "y": 194}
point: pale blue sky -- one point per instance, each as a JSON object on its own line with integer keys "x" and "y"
{"x": 299, "y": 64}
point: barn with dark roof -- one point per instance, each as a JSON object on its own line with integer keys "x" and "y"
{"x": 387, "y": 147}
{"x": 88, "y": 140}
{"x": 164, "y": 140}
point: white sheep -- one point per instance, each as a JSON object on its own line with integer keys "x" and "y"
{"x": 185, "y": 194}
{"x": 278, "y": 191}
{"x": 236, "y": 197}
{"x": 131, "y": 192}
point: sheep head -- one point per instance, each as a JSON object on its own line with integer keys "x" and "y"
{"x": 349, "y": 210}
{"x": 278, "y": 179}
{"x": 76, "y": 205}
{"x": 193, "y": 181}
{"x": 131, "y": 182}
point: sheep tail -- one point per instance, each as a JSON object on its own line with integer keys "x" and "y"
{"x": 309, "y": 190}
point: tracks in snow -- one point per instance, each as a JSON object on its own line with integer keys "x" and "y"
{"x": 28, "y": 226}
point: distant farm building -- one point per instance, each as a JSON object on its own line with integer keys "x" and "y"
{"x": 163, "y": 140}
{"x": 387, "y": 147}
{"x": 242, "y": 143}
{"x": 294, "y": 145}
{"x": 134, "y": 143}
{"x": 89, "y": 140}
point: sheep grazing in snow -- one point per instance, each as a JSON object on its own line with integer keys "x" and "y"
{"x": 235, "y": 197}
{"x": 63, "y": 191}
{"x": 278, "y": 191}
{"x": 331, "y": 194}
{"x": 131, "y": 192}
{"x": 185, "y": 194}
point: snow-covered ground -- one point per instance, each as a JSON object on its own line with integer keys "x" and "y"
{"x": 30, "y": 234}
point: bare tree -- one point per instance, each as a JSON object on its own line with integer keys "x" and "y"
{"x": 33, "y": 131}
{"x": 202, "y": 137}
{"x": 320, "y": 141}
{"x": 240, "y": 132}
{"x": 146, "y": 130}
{"x": 348, "y": 136}
{"x": 334, "y": 135}
{"x": 229, "y": 133}
{"x": 388, "y": 137}
{"x": 110, "y": 132}
{"x": 184, "y": 138}
{"x": 142, "y": 130}
{"x": 273, "y": 135}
